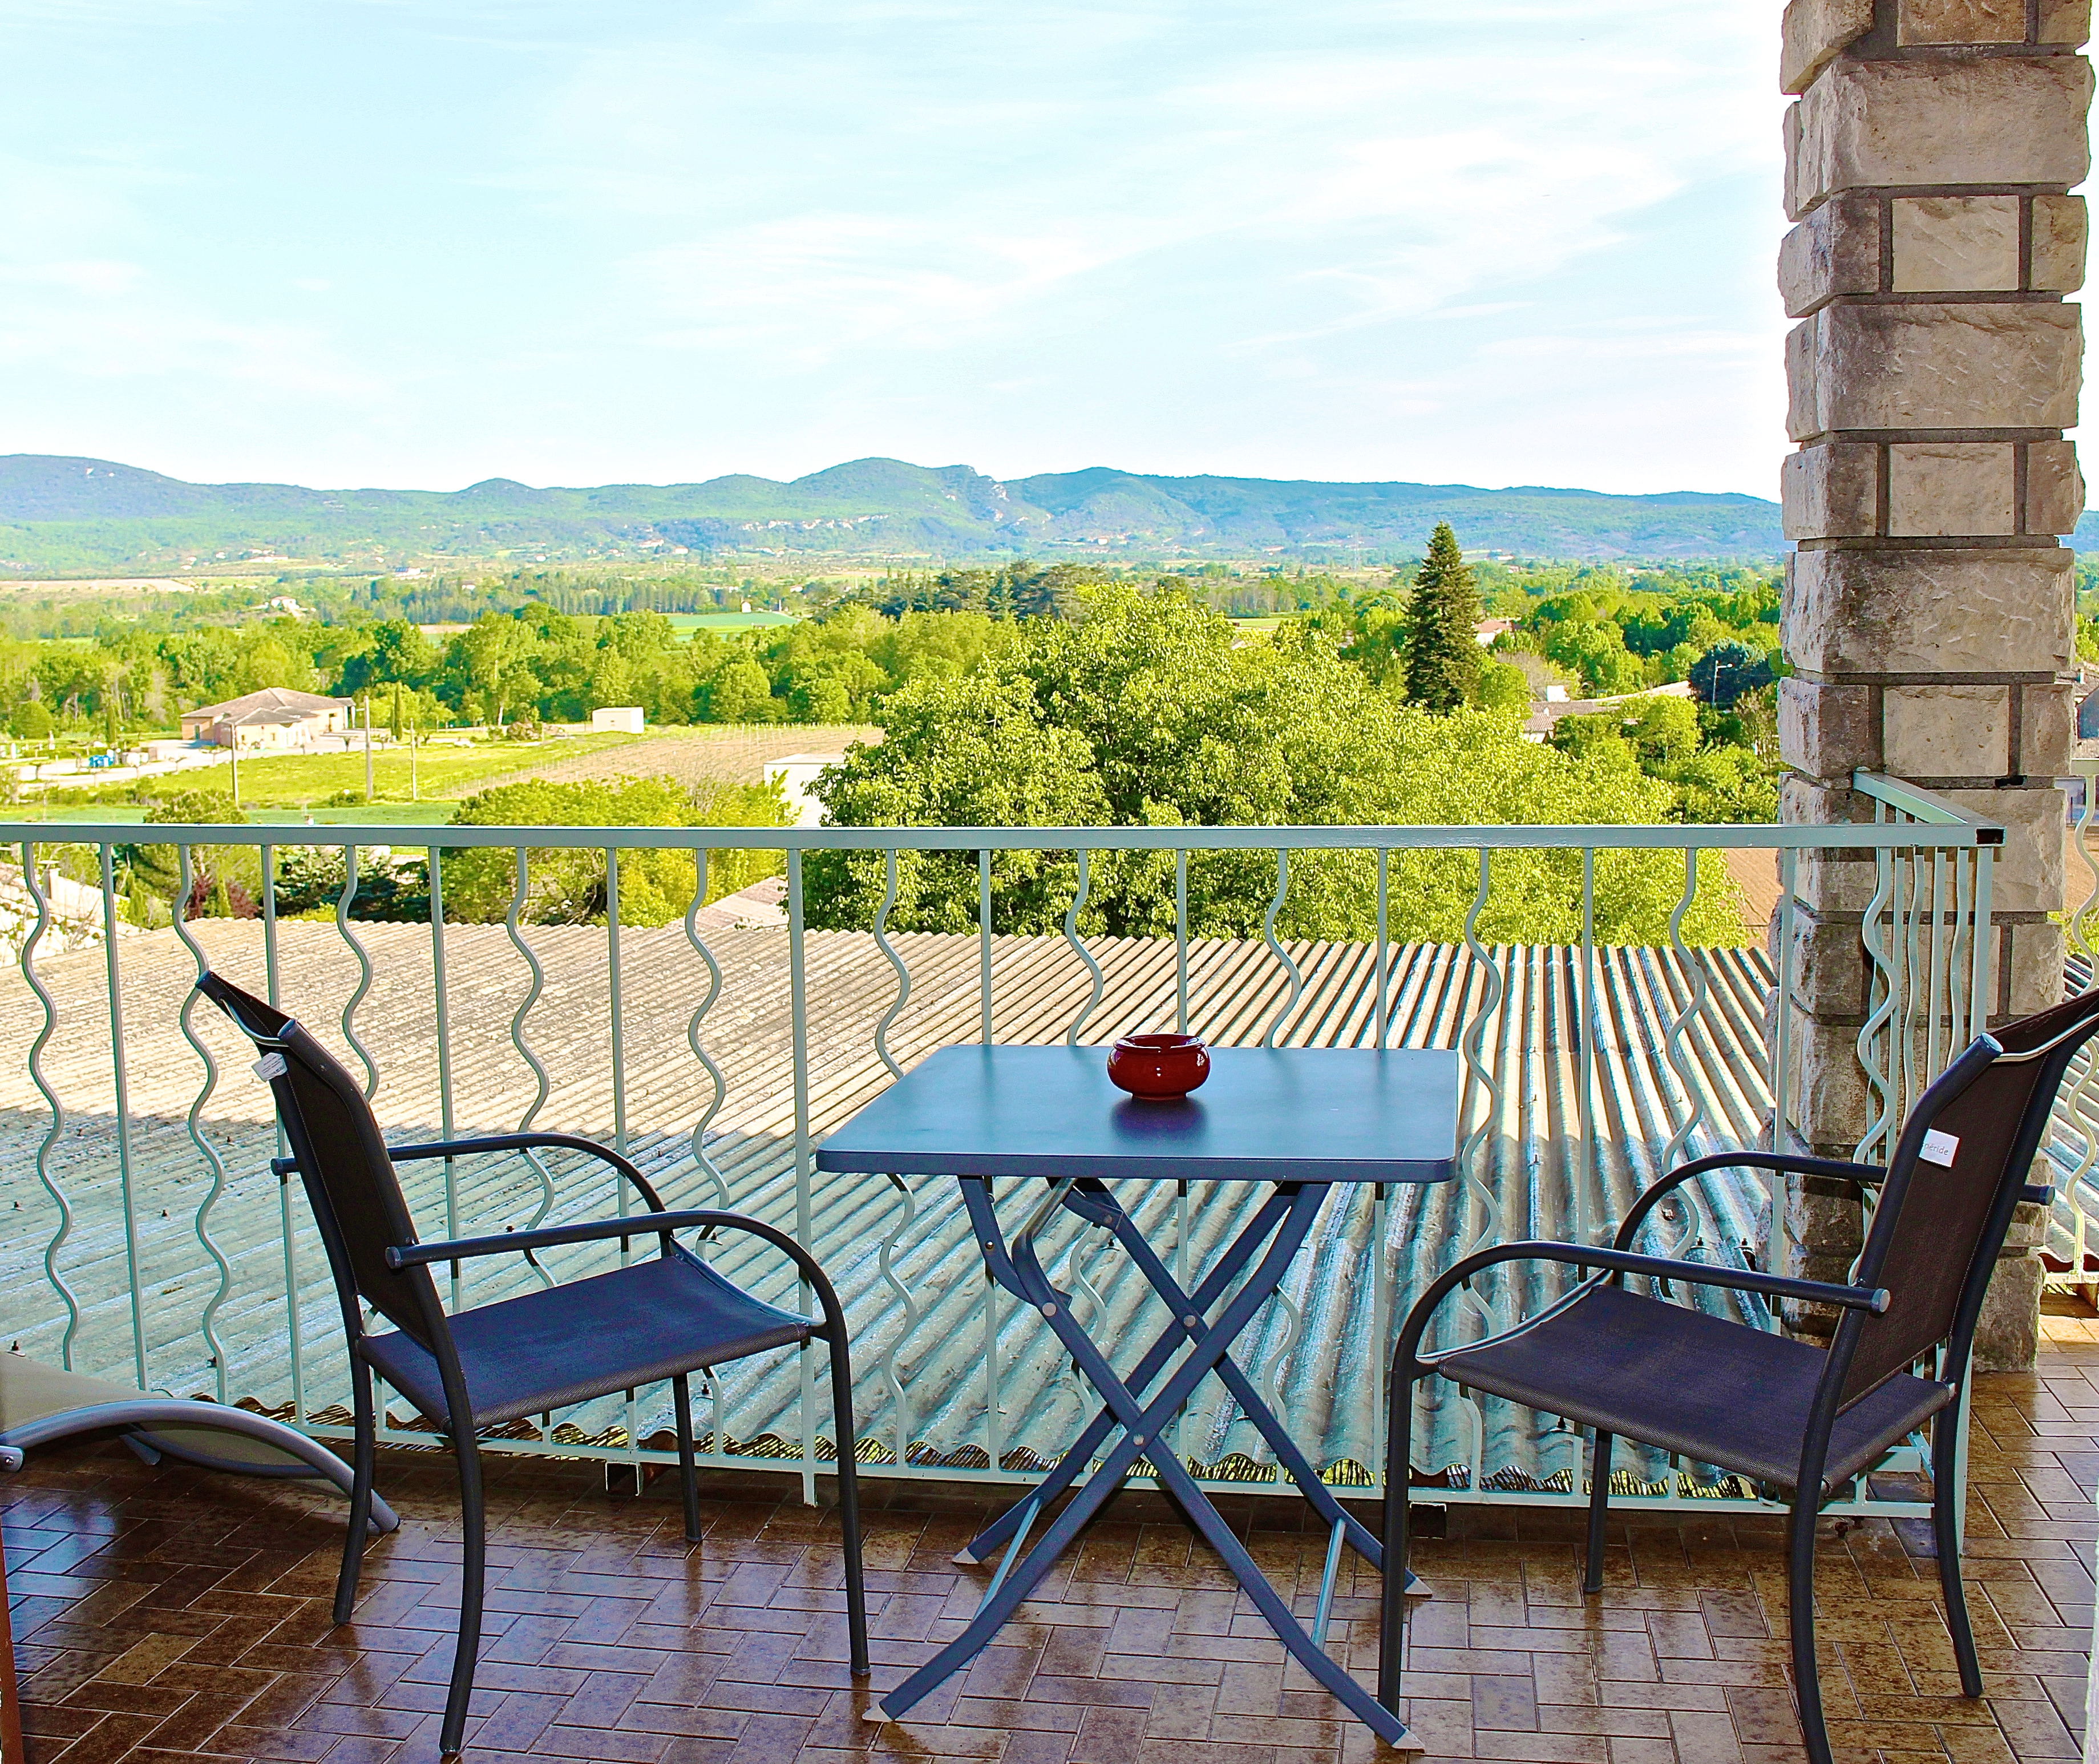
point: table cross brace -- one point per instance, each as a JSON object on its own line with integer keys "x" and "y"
{"x": 1290, "y": 1222}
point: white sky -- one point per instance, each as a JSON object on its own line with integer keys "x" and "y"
{"x": 576, "y": 241}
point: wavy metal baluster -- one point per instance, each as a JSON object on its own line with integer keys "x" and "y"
{"x": 1084, "y": 1249}
{"x": 293, "y": 1334}
{"x": 885, "y": 1261}
{"x": 2083, "y": 1102}
{"x": 120, "y": 1075}
{"x": 363, "y": 968}
{"x": 525, "y": 1049}
{"x": 433, "y": 859}
{"x": 701, "y": 1159}
{"x": 1085, "y": 955}
{"x": 900, "y": 1405}
{"x": 1282, "y": 955}
{"x": 1879, "y": 1078}
{"x": 805, "y": 1150}
{"x": 1676, "y": 1040}
{"x": 1478, "y": 1074}
{"x": 212, "y": 1159}
{"x": 988, "y": 1320}
{"x": 1917, "y": 980}
{"x": 1960, "y": 955}
{"x": 1941, "y": 970}
{"x": 1587, "y": 1022}
{"x": 983, "y": 947}
{"x": 1781, "y": 1059}
{"x": 52, "y": 1134}
{"x": 1381, "y": 1324}
{"x": 903, "y": 974}
{"x": 615, "y": 1010}
{"x": 1384, "y": 949}
{"x": 1181, "y": 941}
{"x": 1286, "y": 1350}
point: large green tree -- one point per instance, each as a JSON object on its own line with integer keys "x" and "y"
{"x": 1151, "y": 710}
{"x": 1442, "y": 620}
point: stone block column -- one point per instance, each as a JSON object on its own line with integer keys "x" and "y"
{"x": 1928, "y": 608}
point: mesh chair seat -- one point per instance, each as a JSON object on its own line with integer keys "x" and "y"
{"x": 652, "y": 1320}
{"x": 1717, "y": 1392}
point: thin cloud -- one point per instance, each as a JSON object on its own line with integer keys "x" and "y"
{"x": 629, "y": 240}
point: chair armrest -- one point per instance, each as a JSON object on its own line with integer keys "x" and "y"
{"x": 1783, "y": 1161}
{"x": 399, "y": 1257}
{"x": 1407, "y": 1365}
{"x": 452, "y": 1148}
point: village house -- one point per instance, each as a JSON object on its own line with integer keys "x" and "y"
{"x": 274, "y": 717}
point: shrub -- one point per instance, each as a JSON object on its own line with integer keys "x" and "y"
{"x": 569, "y": 885}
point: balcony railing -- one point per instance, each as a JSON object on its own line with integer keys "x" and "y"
{"x": 142, "y": 1235}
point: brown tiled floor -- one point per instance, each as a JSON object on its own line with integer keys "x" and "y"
{"x": 165, "y": 1614}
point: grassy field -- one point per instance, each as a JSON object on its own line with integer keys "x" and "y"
{"x": 443, "y": 769}
{"x": 686, "y": 623}
{"x": 291, "y": 787}
{"x": 380, "y": 814}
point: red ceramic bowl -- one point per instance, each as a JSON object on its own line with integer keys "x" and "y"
{"x": 1159, "y": 1068}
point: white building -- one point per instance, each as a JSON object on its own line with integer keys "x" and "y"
{"x": 625, "y": 719}
{"x": 795, "y": 773}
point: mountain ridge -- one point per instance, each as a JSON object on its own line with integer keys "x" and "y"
{"x": 69, "y": 512}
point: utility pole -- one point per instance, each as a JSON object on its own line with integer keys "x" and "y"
{"x": 368, "y": 747}
{"x": 414, "y": 794}
{"x": 235, "y": 731}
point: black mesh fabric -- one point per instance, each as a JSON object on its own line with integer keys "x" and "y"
{"x": 570, "y": 1343}
{"x": 1931, "y": 1228}
{"x": 339, "y": 1148}
{"x": 1718, "y": 1392}
{"x": 350, "y": 1162}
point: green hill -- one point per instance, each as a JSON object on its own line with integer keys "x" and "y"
{"x": 61, "y": 514}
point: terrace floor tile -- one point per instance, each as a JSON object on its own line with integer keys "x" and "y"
{"x": 188, "y": 1623}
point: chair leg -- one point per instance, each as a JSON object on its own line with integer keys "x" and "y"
{"x": 688, "y": 1479}
{"x": 473, "y": 1569}
{"x": 1600, "y": 1500}
{"x": 360, "y": 1491}
{"x": 1946, "y": 1538}
{"x": 1799, "y": 1595}
{"x": 845, "y": 1431}
{"x": 1398, "y": 1497}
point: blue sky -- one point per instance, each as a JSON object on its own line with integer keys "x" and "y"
{"x": 424, "y": 243}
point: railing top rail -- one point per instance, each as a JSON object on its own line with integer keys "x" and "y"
{"x": 1926, "y": 806}
{"x": 1755, "y": 836}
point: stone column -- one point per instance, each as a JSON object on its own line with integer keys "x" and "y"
{"x": 1927, "y": 607}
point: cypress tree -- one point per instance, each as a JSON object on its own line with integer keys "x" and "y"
{"x": 1442, "y": 648}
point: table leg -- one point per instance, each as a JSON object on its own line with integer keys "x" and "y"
{"x": 1026, "y": 1280}
{"x": 1141, "y": 1425}
{"x": 1236, "y": 1381}
{"x": 1065, "y": 1471}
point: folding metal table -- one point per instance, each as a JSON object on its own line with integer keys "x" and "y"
{"x": 1303, "y": 1119}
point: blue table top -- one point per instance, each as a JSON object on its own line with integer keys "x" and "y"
{"x": 1280, "y": 1115}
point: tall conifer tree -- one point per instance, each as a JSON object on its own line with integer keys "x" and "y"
{"x": 1442, "y": 649}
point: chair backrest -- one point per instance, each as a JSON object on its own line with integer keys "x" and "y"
{"x": 342, "y": 1158}
{"x": 1958, "y": 1167}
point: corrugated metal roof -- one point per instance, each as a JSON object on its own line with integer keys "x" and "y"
{"x": 1318, "y": 1351}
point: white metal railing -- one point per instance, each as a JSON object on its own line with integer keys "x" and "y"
{"x": 2070, "y": 1245}
{"x": 146, "y": 1238}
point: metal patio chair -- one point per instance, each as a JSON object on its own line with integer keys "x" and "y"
{"x": 656, "y": 1319}
{"x": 1789, "y": 1415}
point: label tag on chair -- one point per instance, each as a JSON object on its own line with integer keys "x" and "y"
{"x": 1938, "y": 1148}
{"x": 273, "y": 1066}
